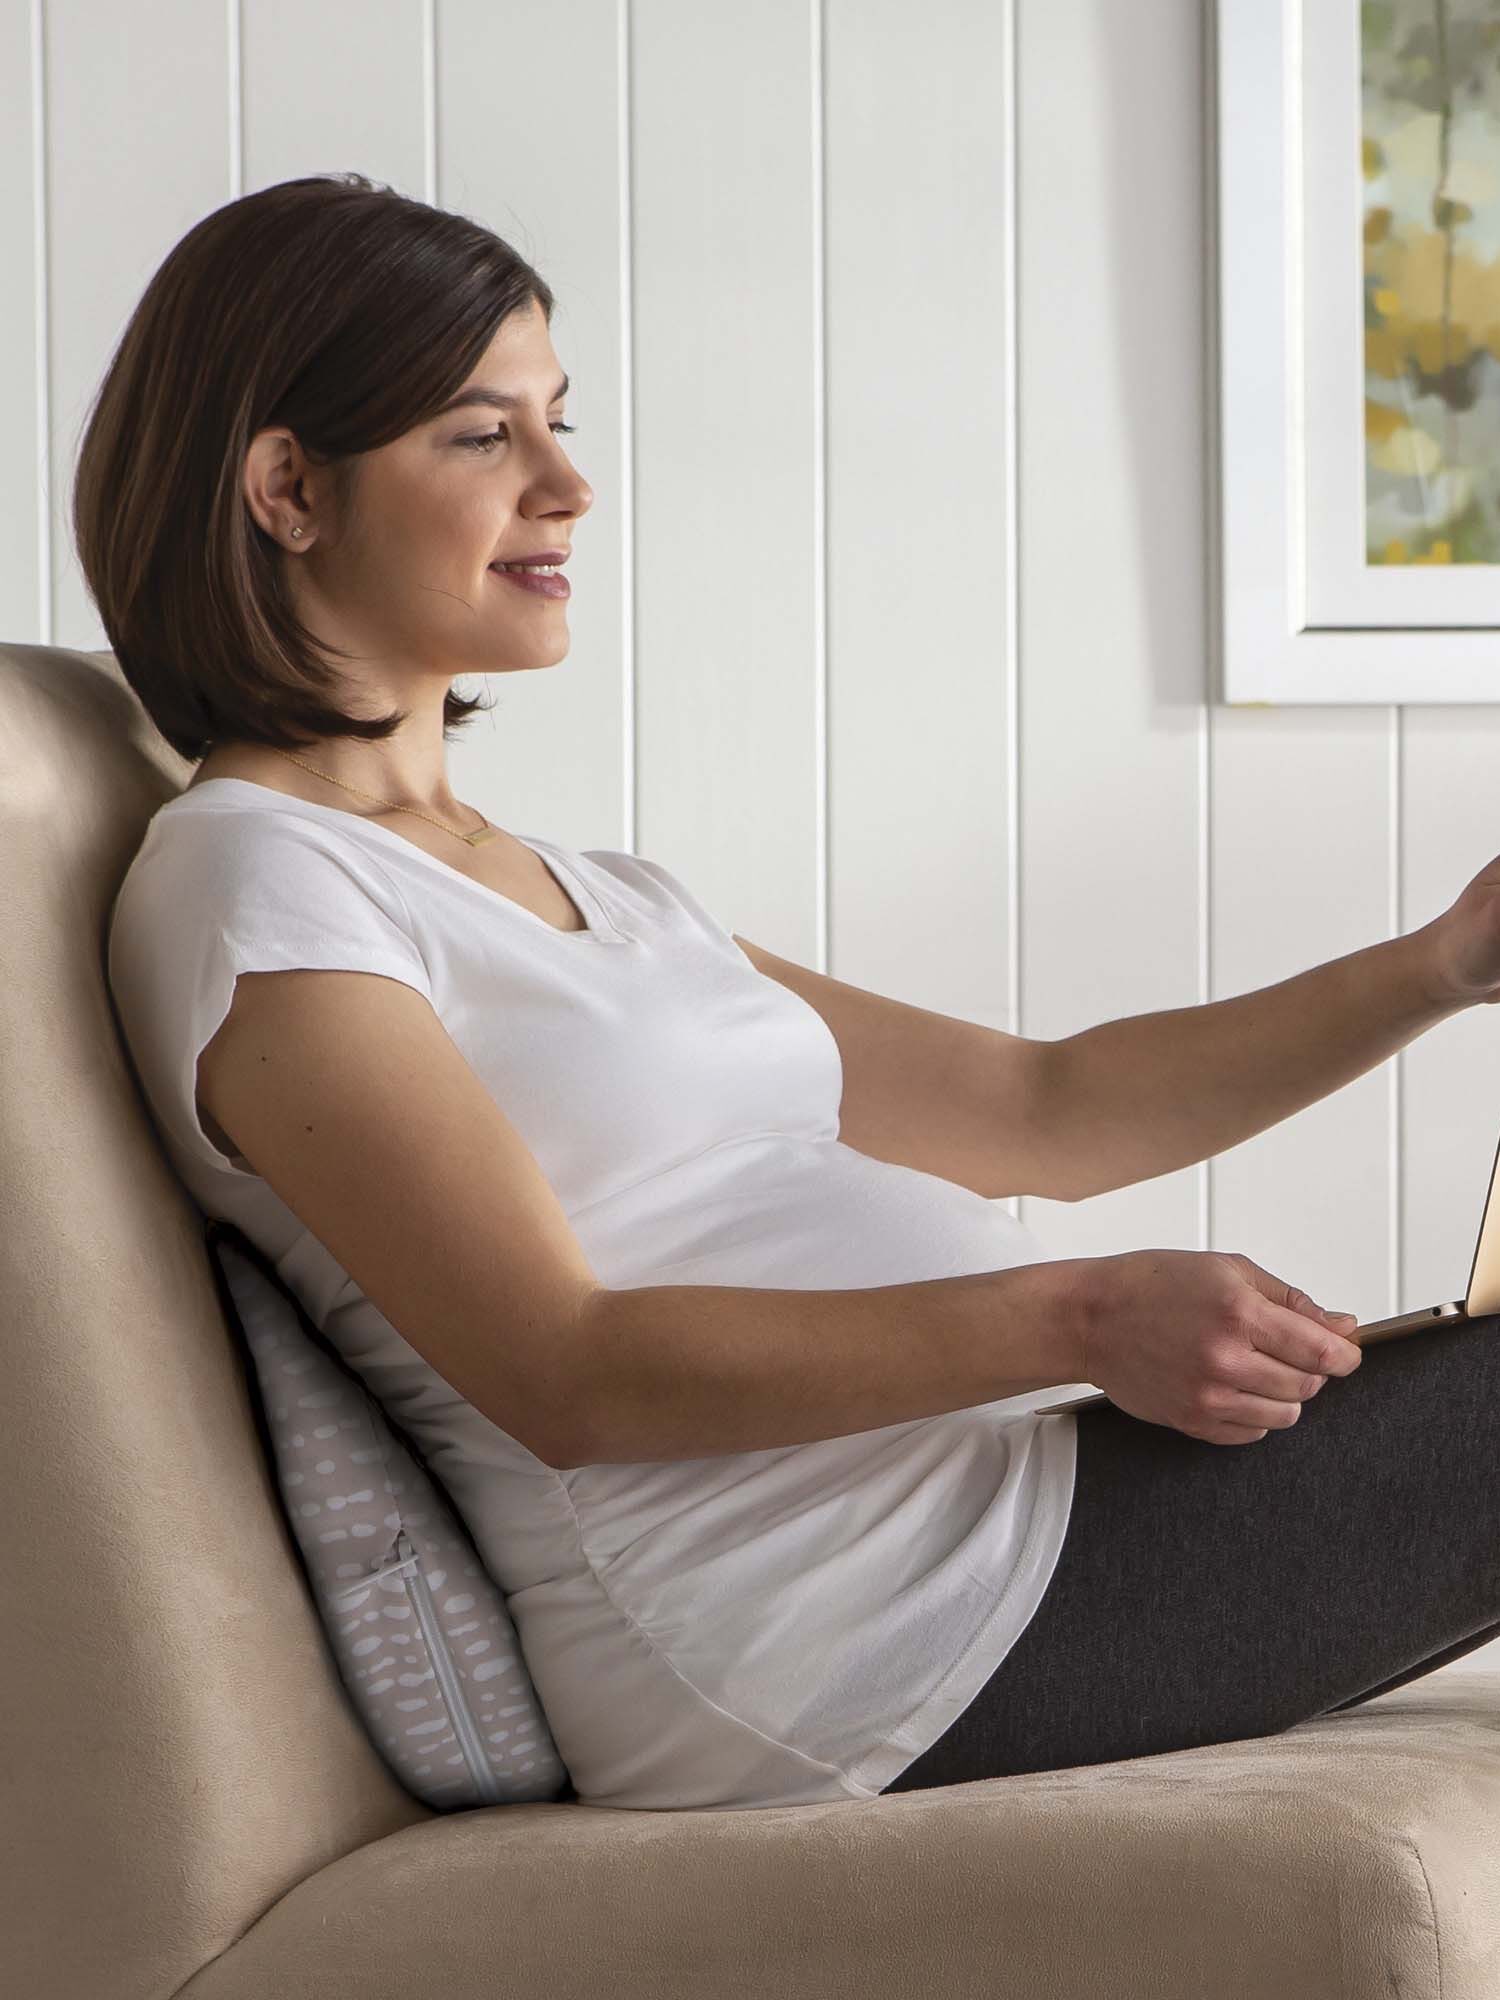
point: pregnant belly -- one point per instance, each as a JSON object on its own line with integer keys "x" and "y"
{"x": 798, "y": 1213}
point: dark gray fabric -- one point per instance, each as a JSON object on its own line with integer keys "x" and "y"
{"x": 1207, "y": 1593}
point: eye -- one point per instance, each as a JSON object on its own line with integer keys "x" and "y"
{"x": 490, "y": 438}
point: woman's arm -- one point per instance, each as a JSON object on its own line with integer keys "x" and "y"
{"x": 696, "y": 1371}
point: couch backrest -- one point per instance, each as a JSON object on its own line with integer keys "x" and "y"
{"x": 176, "y": 1748}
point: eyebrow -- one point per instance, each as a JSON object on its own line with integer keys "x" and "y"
{"x": 495, "y": 399}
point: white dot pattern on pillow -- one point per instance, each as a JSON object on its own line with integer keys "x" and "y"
{"x": 424, "y": 1643}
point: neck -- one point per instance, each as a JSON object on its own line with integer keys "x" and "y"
{"x": 374, "y": 790}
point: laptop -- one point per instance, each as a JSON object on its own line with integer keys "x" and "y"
{"x": 1482, "y": 1297}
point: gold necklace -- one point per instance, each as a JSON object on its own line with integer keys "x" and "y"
{"x": 484, "y": 832}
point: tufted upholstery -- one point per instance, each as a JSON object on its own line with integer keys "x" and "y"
{"x": 189, "y": 1806}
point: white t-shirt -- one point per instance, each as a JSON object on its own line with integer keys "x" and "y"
{"x": 748, "y": 1629}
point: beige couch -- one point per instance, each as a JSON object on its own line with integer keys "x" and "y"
{"x": 189, "y": 1806}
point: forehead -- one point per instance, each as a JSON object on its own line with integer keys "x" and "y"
{"x": 520, "y": 365}
{"x": 478, "y": 394}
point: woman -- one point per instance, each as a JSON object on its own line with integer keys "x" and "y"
{"x": 682, "y": 1264}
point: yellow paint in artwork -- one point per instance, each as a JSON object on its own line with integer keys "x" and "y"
{"x": 1381, "y": 420}
{"x": 1387, "y": 301}
{"x": 1400, "y": 552}
{"x": 1408, "y": 450}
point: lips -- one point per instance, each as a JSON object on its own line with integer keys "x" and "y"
{"x": 541, "y": 586}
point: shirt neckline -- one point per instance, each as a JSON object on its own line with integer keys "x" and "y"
{"x": 599, "y": 924}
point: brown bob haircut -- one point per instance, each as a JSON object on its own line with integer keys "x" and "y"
{"x": 332, "y": 305}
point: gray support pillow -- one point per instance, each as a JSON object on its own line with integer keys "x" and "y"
{"x": 403, "y": 1596}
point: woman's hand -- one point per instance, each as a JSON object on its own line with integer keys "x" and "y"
{"x": 1206, "y": 1342}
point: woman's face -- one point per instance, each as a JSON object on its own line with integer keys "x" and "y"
{"x": 405, "y": 583}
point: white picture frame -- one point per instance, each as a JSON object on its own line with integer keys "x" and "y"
{"x": 1305, "y": 613}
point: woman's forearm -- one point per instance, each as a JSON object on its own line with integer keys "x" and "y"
{"x": 696, "y": 1371}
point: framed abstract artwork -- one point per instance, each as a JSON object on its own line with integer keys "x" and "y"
{"x": 1357, "y": 350}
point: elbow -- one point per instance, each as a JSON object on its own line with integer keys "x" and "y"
{"x": 560, "y": 1450}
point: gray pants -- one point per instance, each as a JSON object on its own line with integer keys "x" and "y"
{"x": 1206, "y": 1593}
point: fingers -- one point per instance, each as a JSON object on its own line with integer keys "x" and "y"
{"x": 1263, "y": 1386}
{"x": 1307, "y": 1338}
{"x": 1281, "y": 1355}
{"x": 1304, "y": 1342}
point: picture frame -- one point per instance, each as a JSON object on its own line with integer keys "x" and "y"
{"x": 1356, "y": 309}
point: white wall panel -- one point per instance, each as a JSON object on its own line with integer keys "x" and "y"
{"x": 919, "y": 240}
{"x": 728, "y": 459}
{"x": 1301, "y": 874}
{"x": 23, "y": 329}
{"x": 1112, "y": 617}
{"x": 1449, "y": 1080}
{"x": 137, "y": 124}
{"x": 531, "y": 139}
{"x": 343, "y": 84}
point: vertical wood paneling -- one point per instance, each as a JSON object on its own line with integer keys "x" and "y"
{"x": 531, "y": 140}
{"x": 1113, "y": 639}
{"x": 137, "y": 152}
{"x": 1301, "y": 813}
{"x": 918, "y": 144}
{"x": 339, "y": 86}
{"x": 1450, "y": 1079}
{"x": 1303, "y": 828}
{"x": 1449, "y": 1097}
{"x": 23, "y": 329}
{"x": 728, "y": 460}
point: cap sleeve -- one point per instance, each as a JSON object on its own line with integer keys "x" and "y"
{"x": 212, "y": 895}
